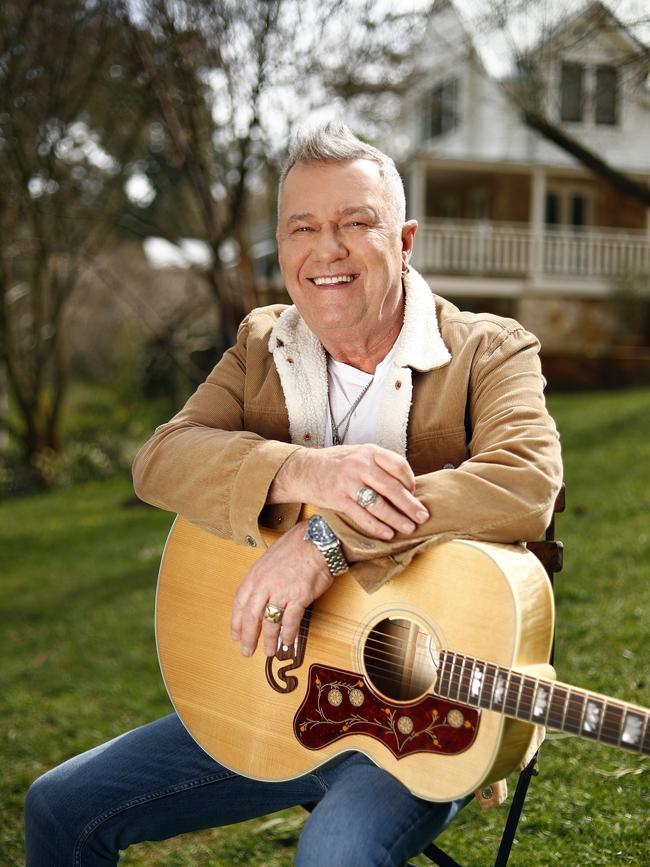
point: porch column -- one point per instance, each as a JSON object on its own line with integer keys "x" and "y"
{"x": 536, "y": 220}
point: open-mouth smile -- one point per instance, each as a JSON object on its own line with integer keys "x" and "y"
{"x": 333, "y": 279}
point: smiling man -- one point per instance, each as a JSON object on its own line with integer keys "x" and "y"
{"x": 403, "y": 420}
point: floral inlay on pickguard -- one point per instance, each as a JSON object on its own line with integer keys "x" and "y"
{"x": 340, "y": 703}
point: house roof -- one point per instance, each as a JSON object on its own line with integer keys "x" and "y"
{"x": 496, "y": 47}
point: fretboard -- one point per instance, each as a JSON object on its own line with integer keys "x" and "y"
{"x": 556, "y": 705}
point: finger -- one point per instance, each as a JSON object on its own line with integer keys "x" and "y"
{"x": 251, "y": 625}
{"x": 271, "y": 634}
{"x": 396, "y": 466}
{"x": 383, "y": 511}
{"x": 397, "y": 498}
{"x": 367, "y": 522}
{"x": 291, "y": 620}
{"x": 236, "y": 618}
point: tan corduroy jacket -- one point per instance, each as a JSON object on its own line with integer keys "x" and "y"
{"x": 463, "y": 402}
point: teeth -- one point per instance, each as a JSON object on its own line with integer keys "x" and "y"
{"x": 329, "y": 281}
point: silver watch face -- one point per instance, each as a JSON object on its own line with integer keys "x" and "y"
{"x": 319, "y": 531}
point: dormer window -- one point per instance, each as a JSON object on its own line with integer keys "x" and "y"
{"x": 606, "y": 95}
{"x": 572, "y": 92}
{"x": 589, "y": 94}
{"x": 443, "y": 109}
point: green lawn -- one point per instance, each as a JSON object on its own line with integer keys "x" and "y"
{"x": 79, "y": 664}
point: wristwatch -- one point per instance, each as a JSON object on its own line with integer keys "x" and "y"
{"x": 324, "y": 538}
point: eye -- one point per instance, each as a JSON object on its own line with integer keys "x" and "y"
{"x": 300, "y": 230}
{"x": 355, "y": 224}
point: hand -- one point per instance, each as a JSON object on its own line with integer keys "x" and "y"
{"x": 290, "y": 574}
{"x": 330, "y": 478}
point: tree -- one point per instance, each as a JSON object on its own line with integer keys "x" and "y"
{"x": 64, "y": 79}
{"x": 197, "y": 96}
{"x": 231, "y": 80}
{"x": 529, "y": 88}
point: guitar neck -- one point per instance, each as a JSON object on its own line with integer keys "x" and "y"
{"x": 555, "y": 705}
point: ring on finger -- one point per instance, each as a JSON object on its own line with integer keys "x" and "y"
{"x": 273, "y": 613}
{"x": 366, "y": 497}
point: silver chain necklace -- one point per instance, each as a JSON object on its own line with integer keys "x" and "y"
{"x": 338, "y": 438}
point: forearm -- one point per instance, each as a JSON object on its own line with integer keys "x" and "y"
{"x": 291, "y": 482}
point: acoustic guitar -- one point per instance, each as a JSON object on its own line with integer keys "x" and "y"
{"x": 440, "y": 677}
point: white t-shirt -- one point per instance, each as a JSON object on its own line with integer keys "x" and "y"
{"x": 345, "y": 385}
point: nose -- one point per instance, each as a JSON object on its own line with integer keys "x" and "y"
{"x": 329, "y": 246}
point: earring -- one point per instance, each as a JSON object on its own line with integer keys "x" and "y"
{"x": 405, "y": 267}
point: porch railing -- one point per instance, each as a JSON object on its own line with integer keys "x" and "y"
{"x": 514, "y": 250}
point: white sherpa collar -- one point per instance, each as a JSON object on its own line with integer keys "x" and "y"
{"x": 301, "y": 363}
{"x": 420, "y": 344}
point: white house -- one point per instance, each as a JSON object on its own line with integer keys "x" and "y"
{"x": 507, "y": 215}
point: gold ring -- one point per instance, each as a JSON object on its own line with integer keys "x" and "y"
{"x": 273, "y": 613}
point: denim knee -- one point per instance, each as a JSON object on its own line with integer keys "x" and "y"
{"x": 46, "y": 822}
{"x": 319, "y": 847}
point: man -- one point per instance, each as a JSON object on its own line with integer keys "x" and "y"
{"x": 403, "y": 420}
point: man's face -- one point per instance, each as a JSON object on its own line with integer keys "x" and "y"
{"x": 341, "y": 249}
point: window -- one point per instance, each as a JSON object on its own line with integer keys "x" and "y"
{"x": 589, "y": 94}
{"x": 572, "y": 92}
{"x": 567, "y": 207}
{"x": 552, "y": 209}
{"x": 444, "y": 108}
{"x": 606, "y": 96}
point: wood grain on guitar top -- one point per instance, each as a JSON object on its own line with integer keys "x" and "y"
{"x": 487, "y": 601}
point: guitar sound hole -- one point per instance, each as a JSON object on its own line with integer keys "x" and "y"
{"x": 398, "y": 659}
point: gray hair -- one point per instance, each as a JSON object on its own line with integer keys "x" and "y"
{"x": 334, "y": 142}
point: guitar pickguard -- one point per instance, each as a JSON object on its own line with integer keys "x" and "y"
{"x": 340, "y": 703}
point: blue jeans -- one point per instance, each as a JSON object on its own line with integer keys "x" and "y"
{"x": 155, "y": 782}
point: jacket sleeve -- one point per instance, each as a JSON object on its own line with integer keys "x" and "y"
{"x": 204, "y": 465}
{"x": 505, "y": 491}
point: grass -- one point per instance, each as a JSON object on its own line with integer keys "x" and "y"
{"x": 79, "y": 664}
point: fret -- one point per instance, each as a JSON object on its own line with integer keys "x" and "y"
{"x": 645, "y": 744}
{"x": 540, "y": 703}
{"x": 500, "y": 686}
{"x": 460, "y": 678}
{"x": 443, "y": 686}
{"x": 525, "y": 706}
{"x": 612, "y": 727}
{"x": 592, "y": 717}
{"x": 477, "y": 683}
{"x": 557, "y": 707}
{"x": 574, "y": 711}
{"x": 602, "y": 719}
{"x": 453, "y": 662}
{"x": 488, "y": 685}
{"x": 466, "y": 679}
{"x": 512, "y": 693}
{"x": 631, "y": 730}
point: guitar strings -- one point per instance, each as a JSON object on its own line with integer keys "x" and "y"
{"x": 526, "y": 689}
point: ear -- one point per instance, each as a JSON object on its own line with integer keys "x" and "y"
{"x": 408, "y": 234}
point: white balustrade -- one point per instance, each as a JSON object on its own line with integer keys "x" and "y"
{"x": 507, "y": 249}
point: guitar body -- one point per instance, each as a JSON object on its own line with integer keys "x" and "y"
{"x": 487, "y": 601}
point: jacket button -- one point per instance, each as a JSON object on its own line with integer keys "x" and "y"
{"x": 250, "y": 542}
{"x": 307, "y": 437}
{"x": 487, "y": 793}
{"x": 398, "y": 384}
{"x": 289, "y": 360}
{"x": 448, "y": 467}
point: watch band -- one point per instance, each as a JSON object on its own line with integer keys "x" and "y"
{"x": 334, "y": 557}
{"x": 323, "y": 537}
